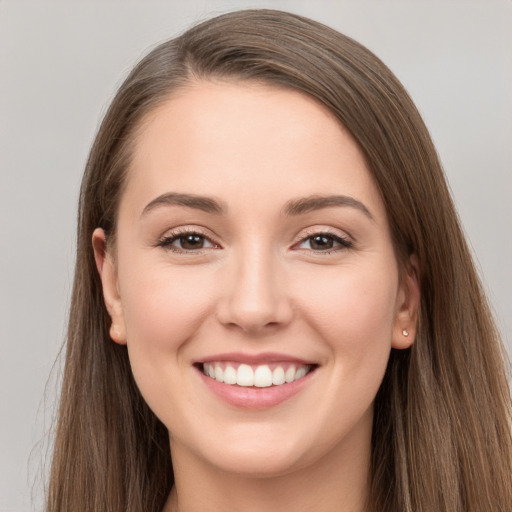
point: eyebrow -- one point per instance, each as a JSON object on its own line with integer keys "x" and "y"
{"x": 205, "y": 204}
{"x": 293, "y": 207}
{"x": 308, "y": 204}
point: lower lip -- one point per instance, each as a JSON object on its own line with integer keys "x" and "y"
{"x": 253, "y": 397}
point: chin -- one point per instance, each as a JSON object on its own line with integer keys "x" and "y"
{"x": 258, "y": 464}
{"x": 259, "y": 455}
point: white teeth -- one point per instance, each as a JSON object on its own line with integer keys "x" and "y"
{"x": 289, "y": 375}
{"x": 278, "y": 376}
{"x": 300, "y": 373}
{"x": 261, "y": 376}
{"x": 245, "y": 375}
{"x": 230, "y": 375}
{"x": 219, "y": 374}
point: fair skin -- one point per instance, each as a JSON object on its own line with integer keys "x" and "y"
{"x": 257, "y": 274}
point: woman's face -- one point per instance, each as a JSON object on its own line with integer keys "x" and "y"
{"x": 253, "y": 246}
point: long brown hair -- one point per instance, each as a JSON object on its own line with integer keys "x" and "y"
{"x": 442, "y": 424}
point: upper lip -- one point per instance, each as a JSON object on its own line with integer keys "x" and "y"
{"x": 254, "y": 359}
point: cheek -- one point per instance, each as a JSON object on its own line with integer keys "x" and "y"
{"x": 353, "y": 309}
{"x": 163, "y": 305}
{"x": 163, "y": 309}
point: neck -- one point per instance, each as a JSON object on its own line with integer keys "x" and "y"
{"x": 336, "y": 482}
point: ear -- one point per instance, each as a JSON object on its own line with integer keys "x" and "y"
{"x": 408, "y": 303}
{"x": 108, "y": 275}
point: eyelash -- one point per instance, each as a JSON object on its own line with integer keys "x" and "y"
{"x": 345, "y": 243}
{"x": 167, "y": 241}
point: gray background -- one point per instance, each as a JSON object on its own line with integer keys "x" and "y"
{"x": 60, "y": 63}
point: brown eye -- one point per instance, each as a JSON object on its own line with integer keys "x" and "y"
{"x": 324, "y": 242}
{"x": 321, "y": 242}
{"x": 186, "y": 242}
{"x": 191, "y": 242}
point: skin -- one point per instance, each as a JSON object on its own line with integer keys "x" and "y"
{"x": 257, "y": 285}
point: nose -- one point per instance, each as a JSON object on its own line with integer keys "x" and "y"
{"x": 254, "y": 297}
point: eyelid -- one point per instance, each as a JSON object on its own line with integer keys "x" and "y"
{"x": 171, "y": 235}
{"x": 165, "y": 241}
{"x": 344, "y": 240}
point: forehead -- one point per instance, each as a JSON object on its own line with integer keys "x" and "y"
{"x": 237, "y": 140}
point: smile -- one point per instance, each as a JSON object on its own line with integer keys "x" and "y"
{"x": 259, "y": 376}
{"x": 255, "y": 382}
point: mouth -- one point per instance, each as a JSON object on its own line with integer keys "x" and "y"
{"x": 258, "y": 376}
{"x": 255, "y": 383}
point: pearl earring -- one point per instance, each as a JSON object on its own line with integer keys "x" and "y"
{"x": 405, "y": 333}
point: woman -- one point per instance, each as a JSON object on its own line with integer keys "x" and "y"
{"x": 277, "y": 293}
